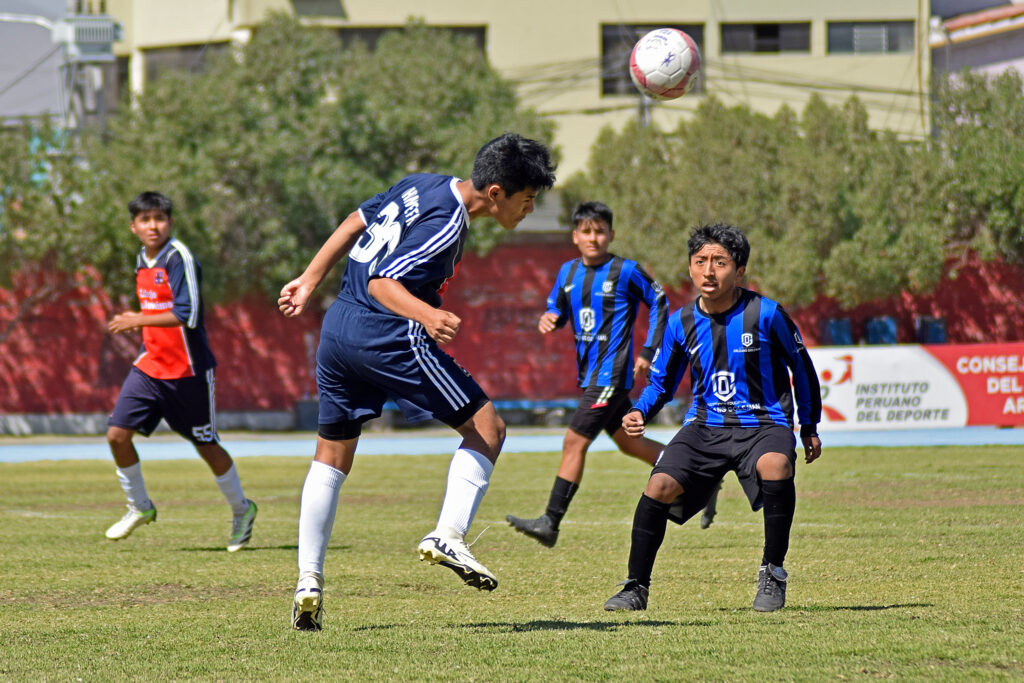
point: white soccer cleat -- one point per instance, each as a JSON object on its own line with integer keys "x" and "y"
{"x": 308, "y": 606}
{"x": 241, "y": 529}
{"x": 131, "y": 521}
{"x": 448, "y": 549}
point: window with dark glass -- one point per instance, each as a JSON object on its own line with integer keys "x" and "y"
{"x": 870, "y": 37}
{"x": 785, "y": 37}
{"x": 617, "y": 41}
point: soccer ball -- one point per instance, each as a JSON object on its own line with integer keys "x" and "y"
{"x": 664, "y": 63}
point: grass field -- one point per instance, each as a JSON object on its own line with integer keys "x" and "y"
{"x": 904, "y": 563}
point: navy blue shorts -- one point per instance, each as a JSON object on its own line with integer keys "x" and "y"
{"x": 600, "y": 408}
{"x": 187, "y": 404}
{"x": 366, "y": 357}
{"x": 698, "y": 457}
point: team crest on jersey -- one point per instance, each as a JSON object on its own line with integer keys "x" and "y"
{"x": 607, "y": 286}
{"x": 587, "y": 319}
{"x": 798, "y": 340}
{"x": 159, "y": 278}
{"x": 747, "y": 339}
{"x": 724, "y": 383}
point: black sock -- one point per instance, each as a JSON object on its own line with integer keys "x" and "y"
{"x": 561, "y": 495}
{"x": 779, "y": 505}
{"x": 649, "y": 522}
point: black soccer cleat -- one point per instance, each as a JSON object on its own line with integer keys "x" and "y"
{"x": 632, "y": 598}
{"x": 771, "y": 589}
{"x": 540, "y": 529}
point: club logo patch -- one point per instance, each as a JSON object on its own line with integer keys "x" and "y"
{"x": 724, "y": 385}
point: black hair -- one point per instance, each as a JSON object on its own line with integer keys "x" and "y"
{"x": 591, "y": 211}
{"x": 729, "y": 236}
{"x": 150, "y": 201}
{"x": 514, "y": 163}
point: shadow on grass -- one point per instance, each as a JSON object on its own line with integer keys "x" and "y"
{"x": 252, "y": 548}
{"x": 552, "y": 625}
{"x": 846, "y": 608}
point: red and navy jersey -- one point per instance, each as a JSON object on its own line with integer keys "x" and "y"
{"x": 415, "y": 234}
{"x": 740, "y": 365}
{"x": 172, "y": 282}
{"x": 601, "y": 302}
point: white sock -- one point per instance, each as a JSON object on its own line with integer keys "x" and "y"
{"x": 316, "y": 515}
{"x": 468, "y": 477}
{"x": 231, "y": 486}
{"x": 134, "y": 487}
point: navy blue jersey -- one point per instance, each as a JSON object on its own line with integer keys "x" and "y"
{"x": 740, "y": 363}
{"x": 601, "y": 301}
{"x": 415, "y": 234}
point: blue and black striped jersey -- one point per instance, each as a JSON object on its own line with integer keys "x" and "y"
{"x": 601, "y": 301}
{"x": 740, "y": 363}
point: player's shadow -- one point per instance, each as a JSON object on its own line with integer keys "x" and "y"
{"x": 254, "y": 548}
{"x": 562, "y": 625}
{"x": 552, "y": 625}
{"x": 846, "y": 608}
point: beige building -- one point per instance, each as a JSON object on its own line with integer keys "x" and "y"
{"x": 568, "y": 57}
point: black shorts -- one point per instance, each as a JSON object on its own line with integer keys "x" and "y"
{"x": 187, "y": 404}
{"x": 698, "y": 457}
{"x": 600, "y": 408}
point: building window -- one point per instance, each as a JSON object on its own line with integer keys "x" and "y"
{"x": 870, "y": 37}
{"x": 188, "y": 58}
{"x": 790, "y": 37}
{"x": 617, "y": 41}
{"x": 369, "y": 35}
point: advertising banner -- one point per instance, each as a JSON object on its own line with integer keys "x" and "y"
{"x": 915, "y": 387}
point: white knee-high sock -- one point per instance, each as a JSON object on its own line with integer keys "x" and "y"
{"x": 231, "y": 486}
{"x": 468, "y": 477}
{"x": 134, "y": 487}
{"x": 316, "y": 515}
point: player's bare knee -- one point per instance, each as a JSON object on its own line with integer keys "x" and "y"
{"x": 774, "y": 467}
{"x": 119, "y": 436}
{"x": 662, "y": 487}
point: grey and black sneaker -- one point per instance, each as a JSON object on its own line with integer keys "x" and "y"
{"x": 771, "y": 588}
{"x": 308, "y": 605}
{"x": 540, "y": 528}
{"x": 632, "y": 598}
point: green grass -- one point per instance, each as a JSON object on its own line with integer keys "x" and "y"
{"x": 905, "y": 563}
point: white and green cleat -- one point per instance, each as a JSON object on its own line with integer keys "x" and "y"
{"x": 241, "y": 529}
{"x": 131, "y": 521}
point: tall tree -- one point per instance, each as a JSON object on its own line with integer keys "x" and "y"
{"x": 264, "y": 153}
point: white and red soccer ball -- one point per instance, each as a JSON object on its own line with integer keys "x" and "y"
{"x": 664, "y": 63}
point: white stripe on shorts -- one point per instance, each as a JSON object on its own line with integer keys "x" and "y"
{"x": 444, "y": 383}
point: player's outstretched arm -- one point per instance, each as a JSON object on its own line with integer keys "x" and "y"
{"x": 442, "y": 326}
{"x": 295, "y": 295}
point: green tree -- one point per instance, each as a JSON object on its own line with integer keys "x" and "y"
{"x": 830, "y": 206}
{"x": 979, "y": 122}
{"x": 264, "y": 153}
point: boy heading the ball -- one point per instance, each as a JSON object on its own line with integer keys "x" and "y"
{"x": 741, "y": 349}
{"x": 381, "y": 337}
{"x": 173, "y": 376}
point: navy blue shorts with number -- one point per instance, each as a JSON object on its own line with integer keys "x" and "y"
{"x": 698, "y": 457}
{"x": 600, "y": 408}
{"x": 366, "y": 357}
{"x": 187, "y": 404}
